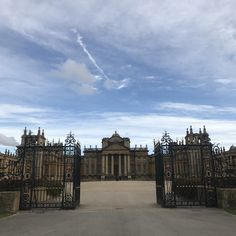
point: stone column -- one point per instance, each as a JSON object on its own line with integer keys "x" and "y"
{"x": 89, "y": 164}
{"x": 119, "y": 165}
{"x": 125, "y": 161}
{"x": 128, "y": 164}
{"x": 103, "y": 166}
{"x": 112, "y": 164}
{"x": 106, "y": 164}
{"x": 129, "y": 173}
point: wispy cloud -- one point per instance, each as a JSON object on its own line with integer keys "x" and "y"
{"x": 7, "y": 141}
{"x": 91, "y": 58}
{"x": 190, "y": 44}
{"x": 116, "y": 84}
{"x": 78, "y": 74}
{"x": 199, "y": 108}
{"x": 18, "y": 116}
{"x": 9, "y": 110}
{"x": 150, "y": 77}
{"x": 196, "y": 48}
{"x": 141, "y": 128}
{"x": 109, "y": 83}
{"x": 225, "y": 81}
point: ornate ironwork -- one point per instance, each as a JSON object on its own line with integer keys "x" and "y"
{"x": 184, "y": 174}
{"x": 166, "y": 139}
{"x": 48, "y": 175}
{"x": 216, "y": 148}
{"x": 165, "y": 143}
{"x": 70, "y": 140}
{"x": 225, "y": 169}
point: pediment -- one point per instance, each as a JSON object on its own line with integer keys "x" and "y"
{"x": 115, "y": 139}
{"x": 116, "y": 147}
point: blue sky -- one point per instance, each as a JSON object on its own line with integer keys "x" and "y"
{"x": 138, "y": 67}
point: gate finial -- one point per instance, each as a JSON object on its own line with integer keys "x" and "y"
{"x": 166, "y": 139}
{"x": 70, "y": 139}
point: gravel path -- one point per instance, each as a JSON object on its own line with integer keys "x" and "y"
{"x": 120, "y": 208}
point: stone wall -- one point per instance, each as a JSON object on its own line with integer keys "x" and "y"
{"x": 226, "y": 197}
{"x": 9, "y": 201}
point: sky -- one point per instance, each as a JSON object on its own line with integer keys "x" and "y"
{"x": 136, "y": 67}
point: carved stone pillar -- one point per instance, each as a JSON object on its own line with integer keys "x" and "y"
{"x": 106, "y": 164}
{"x": 128, "y": 164}
{"x": 103, "y": 167}
{"x": 129, "y": 173}
{"x": 119, "y": 165}
{"x": 125, "y": 164}
{"x": 112, "y": 164}
{"x": 89, "y": 164}
{"x": 103, "y": 163}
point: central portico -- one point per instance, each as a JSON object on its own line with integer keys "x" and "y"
{"x": 116, "y": 157}
{"x": 115, "y": 160}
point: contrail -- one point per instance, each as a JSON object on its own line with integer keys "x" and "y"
{"x": 80, "y": 42}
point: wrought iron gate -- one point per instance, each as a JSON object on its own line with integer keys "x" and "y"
{"x": 50, "y": 174}
{"x": 185, "y": 174}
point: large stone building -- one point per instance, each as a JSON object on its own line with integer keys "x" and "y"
{"x": 117, "y": 160}
{"x": 7, "y": 164}
{"x": 48, "y": 157}
{"x": 49, "y": 174}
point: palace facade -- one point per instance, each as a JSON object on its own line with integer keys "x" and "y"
{"x": 7, "y": 162}
{"x": 117, "y": 160}
{"x": 187, "y": 172}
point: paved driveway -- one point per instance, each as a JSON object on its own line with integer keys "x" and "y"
{"x": 120, "y": 208}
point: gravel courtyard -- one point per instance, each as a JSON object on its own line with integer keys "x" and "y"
{"x": 120, "y": 208}
{"x": 118, "y": 194}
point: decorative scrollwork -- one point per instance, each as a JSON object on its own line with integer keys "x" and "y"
{"x": 68, "y": 197}
{"x": 166, "y": 139}
{"x": 70, "y": 140}
{"x": 168, "y": 175}
{"x": 216, "y": 148}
